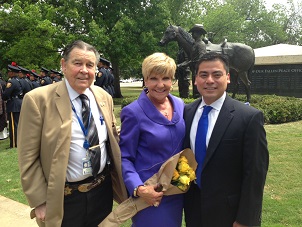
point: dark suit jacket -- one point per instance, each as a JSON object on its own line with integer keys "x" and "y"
{"x": 234, "y": 170}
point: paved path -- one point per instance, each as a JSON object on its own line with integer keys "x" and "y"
{"x": 14, "y": 214}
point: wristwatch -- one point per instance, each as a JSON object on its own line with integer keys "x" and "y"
{"x": 135, "y": 192}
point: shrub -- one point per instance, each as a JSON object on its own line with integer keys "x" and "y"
{"x": 276, "y": 109}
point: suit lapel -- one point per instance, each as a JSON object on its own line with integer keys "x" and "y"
{"x": 62, "y": 102}
{"x": 224, "y": 119}
{"x": 189, "y": 116}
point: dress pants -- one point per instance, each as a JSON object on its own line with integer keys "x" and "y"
{"x": 88, "y": 209}
{"x": 13, "y": 119}
{"x": 192, "y": 206}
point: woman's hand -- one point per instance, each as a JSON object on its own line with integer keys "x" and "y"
{"x": 150, "y": 195}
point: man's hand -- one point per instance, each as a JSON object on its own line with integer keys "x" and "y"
{"x": 40, "y": 212}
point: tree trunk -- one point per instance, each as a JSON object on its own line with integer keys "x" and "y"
{"x": 116, "y": 73}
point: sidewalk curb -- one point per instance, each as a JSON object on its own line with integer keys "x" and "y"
{"x": 15, "y": 214}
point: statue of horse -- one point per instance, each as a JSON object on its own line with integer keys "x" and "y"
{"x": 241, "y": 56}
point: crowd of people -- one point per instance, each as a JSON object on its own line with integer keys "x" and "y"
{"x": 74, "y": 162}
{"x": 20, "y": 81}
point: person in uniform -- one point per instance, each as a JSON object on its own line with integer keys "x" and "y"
{"x": 45, "y": 79}
{"x": 53, "y": 76}
{"x": 26, "y": 84}
{"x": 13, "y": 95}
{"x": 34, "y": 78}
{"x": 59, "y": 76}
{"x": 101, "y": 79}
{"x": 110, "y": 84}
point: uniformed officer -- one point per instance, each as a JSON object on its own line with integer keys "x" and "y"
{"x": 25, "y": 82}
{"x": 59, "y": 76}
{"x": 34, "y": 79}
{"x": 110, "y": 85}
{"x": 101, "y": 79}
{"x": 13, "y": 94}
{"x": 53, "y": 76}
{"x": 45, "y": 79}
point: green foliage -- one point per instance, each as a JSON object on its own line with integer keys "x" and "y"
{"x": 33, "y": 33}
{"x": 277, "y": 109}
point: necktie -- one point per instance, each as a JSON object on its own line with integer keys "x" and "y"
{"x": 200, "y": 142}
{"x": 92, "y": 135}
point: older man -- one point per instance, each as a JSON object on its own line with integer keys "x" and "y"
{"x": 69, "y": 157}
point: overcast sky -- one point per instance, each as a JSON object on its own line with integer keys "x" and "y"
{"x": 269, "y": 3}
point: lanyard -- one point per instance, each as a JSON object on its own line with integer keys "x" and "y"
{"x": 86, "y": 144}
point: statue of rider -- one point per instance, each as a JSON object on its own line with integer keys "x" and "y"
{"x": 199, "y": 49}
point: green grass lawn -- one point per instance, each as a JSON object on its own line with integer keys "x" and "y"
{"x": 282, "y": 204}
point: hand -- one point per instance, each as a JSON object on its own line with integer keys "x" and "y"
{"x": 149, "y": 195}
{"x": 40, "y": 212}
{"x": 236, "y": 224}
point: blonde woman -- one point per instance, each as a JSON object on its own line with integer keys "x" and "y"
{"x": 152, "y": 131}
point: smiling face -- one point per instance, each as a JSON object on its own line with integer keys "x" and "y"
{"x": 211, "y": 80}
{"x": 79, "y": 69}
{"x": 158, "y": 86}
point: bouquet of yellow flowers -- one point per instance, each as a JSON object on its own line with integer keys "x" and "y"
{"x": 183, "y": 174}
{"x": 180, "y": 168}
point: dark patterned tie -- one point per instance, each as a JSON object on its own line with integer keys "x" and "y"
{"x": 200, "y": 142}
{"x": 92, "y": 135}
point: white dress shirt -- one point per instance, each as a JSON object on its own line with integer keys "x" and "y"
{"x": 212, "y": 117}
{"x": 77, "y": 151}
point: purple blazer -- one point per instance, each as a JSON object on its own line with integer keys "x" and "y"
{"x": 148, "y": 139}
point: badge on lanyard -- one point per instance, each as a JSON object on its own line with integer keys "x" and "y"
{"x": 86, "y": 163}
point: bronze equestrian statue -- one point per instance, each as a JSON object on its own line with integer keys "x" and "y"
{"x": 241, "y": 56}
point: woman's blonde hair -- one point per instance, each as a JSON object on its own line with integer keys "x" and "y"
{"x": 159, "y": 64}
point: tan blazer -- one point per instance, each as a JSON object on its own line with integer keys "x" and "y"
{"x": 44, "y": 135}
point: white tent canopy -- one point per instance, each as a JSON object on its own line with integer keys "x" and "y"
{"x": 278, "y": 54}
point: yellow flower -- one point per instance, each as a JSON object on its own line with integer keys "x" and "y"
{"x": 191, "y": 174}
{"x": 182, "y": 187}
{"x": 175, "y": 175}
{"x": 183, "y": 167}
{"x": 183, "y": 174}
{"x": 182, "y": 159}
{"x": 184, "y": 179}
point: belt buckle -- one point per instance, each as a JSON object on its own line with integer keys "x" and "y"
{"x": 84, "y": 187}
{"x": 88, "y": 186}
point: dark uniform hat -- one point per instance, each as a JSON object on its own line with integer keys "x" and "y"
{"x": 23, "y": 70}
{"x": 104, "y": 61}
{"x": 60, "y": 74}
{"x": 198, "y": 27}
{"x": 33, "y": 72}
{"x": 13, "y": 67}
{"x": 44, "y": 70}
{"x": 54, "y": 71}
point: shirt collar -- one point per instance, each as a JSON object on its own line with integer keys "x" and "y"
{"x": 216, "y": 105}
{"x": 73, "y": 94}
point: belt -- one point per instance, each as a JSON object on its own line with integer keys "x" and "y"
{"x": 71, "y": 187}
